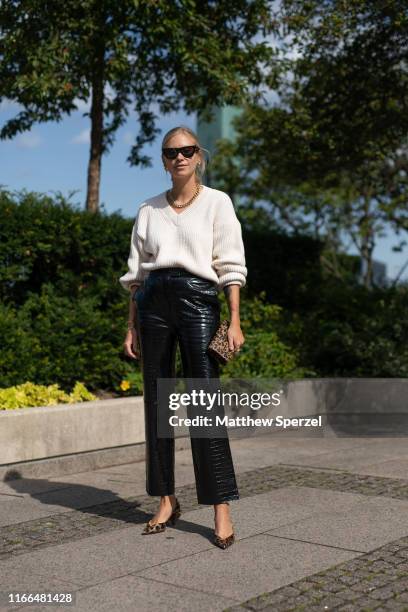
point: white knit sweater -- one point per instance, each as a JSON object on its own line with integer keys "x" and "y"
{"x": 205, "y": 238}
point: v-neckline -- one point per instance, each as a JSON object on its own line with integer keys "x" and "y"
{"x": 173, "y": 215}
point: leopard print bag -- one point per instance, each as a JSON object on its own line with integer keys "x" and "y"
{"x": 218, "y": 347}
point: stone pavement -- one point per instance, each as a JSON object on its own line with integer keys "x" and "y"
{"x": 322, "y": 524}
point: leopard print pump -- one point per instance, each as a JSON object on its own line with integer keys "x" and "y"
{"x": 224, "y": 542}
{"x": 160, "y": 527}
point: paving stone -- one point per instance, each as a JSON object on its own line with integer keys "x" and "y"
{"x": 391, "y": 606}
{"x": 402, "y": 597}
{"x": 367, "y": 583}
{"x": 376, "y": 580}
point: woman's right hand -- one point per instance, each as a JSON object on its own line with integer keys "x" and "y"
{"x": 131, "y": 344}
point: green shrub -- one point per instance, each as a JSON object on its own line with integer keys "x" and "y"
{"x": 46, "y": 240}
{"x": 354, "y": 332}
{"x": 55, "y": 339}
{"x": 286, "y": 268}
{"x": 263, "y": 353}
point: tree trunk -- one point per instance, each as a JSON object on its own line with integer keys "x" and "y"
{"x": 367, "y": 255}
{"x": 96, "y": 147}
{"x": 367, "y": 233}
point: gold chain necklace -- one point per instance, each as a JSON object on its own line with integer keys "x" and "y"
{"x": 173, "y": 202}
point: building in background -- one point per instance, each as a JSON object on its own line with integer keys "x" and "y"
{"x": 379, "y": 272}
{"x": 209, "y": 132}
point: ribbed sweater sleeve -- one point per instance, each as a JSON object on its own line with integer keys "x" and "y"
{"x": 228, "y": 247}
{"x": 137, "y": 254}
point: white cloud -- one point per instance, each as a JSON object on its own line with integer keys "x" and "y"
{"x": 28, "y": 140}
{"x": 82, "y": 138}
{"x": 82, "y": 105}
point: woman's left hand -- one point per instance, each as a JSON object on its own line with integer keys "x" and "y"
{"x": 235, "y": 336}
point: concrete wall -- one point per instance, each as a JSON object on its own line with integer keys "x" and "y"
{"x": 36, "y": 433}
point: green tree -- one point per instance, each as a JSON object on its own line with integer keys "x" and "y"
{"x": 350, "y": 72}
{"x": 150, "y": 56}
{"x": 331, "y": 158}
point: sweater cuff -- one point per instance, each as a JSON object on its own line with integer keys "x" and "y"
{"x": 232, "y": 277}
{"x": 127, "y": 281}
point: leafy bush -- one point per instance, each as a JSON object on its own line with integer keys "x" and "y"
{"x": 46, "y": 240}
{"x": 263, "y": 353}
{"x": 354, "y": 332}
{"x": 55, "y": 339}
{"x": 286, "y": 268}
{"x": 30, "y": 395}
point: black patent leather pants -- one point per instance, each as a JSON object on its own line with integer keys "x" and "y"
{"x": 173, "y": 306}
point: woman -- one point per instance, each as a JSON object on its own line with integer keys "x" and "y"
{"x": 186, "y": 245}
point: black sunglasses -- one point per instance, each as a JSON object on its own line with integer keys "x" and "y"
{"x": 188, "y": 151}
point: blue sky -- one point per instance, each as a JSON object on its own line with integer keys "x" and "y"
{"x": 54, "y": 157}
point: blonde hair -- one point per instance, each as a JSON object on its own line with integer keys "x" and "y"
{"x": 200, "y": 168}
